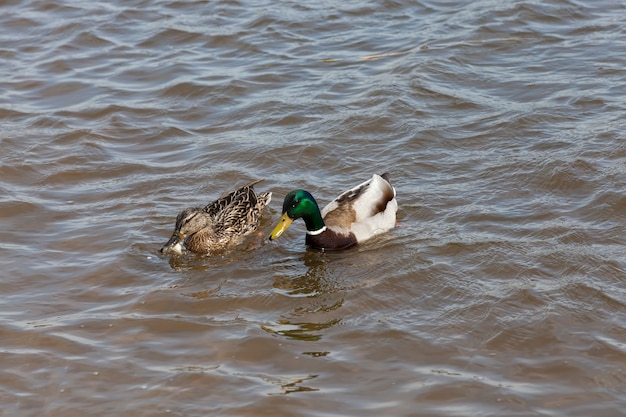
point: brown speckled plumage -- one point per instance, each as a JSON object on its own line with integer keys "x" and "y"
{"x": 220, "y": 224}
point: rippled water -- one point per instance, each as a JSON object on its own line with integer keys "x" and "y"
{"x": 501, "y": 293}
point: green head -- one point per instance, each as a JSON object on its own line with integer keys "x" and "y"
{"x": 299, "y": 204}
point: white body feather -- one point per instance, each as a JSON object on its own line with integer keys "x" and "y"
{"x": 367, "y": 223}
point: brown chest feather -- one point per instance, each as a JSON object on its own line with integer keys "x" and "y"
{"x": 331, "y": 240}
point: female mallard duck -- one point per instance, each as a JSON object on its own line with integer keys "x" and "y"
{"x": 356, "y": 215}
{"x": 220, "y": 224}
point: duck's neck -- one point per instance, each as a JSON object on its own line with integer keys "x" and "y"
{"x": 313, "y": 219}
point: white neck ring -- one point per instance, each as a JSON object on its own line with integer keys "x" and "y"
{"x": 316, "y": 232}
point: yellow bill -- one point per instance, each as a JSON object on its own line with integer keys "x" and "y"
{"x": 284, "y": 223}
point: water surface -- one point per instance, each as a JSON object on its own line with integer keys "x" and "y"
{"x": 500, "y": 293}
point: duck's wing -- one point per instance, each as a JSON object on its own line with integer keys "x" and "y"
{"x": 240, "y": 213}
{"x": 375, "y": 197}
{"x": 359, "y": 203}
{"x": 228, "y": 199}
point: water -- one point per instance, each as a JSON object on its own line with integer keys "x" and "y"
{"x": 501, "y": 293}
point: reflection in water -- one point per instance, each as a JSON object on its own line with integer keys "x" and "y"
{"x": 311, "y": 283}
{"x": 287, "y": 384}
{"x": 307, "y": 320}
{"x": 300, "y": 330}
{"x": 192, "y": 261}
{"x": 205, "y": 293}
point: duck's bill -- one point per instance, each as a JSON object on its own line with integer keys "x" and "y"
{"x": 283, "y": 224}
{"x": 173, "y": 245}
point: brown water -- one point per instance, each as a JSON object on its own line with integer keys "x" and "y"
{"x": 501, "y": 293}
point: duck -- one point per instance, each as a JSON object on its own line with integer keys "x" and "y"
{"x": 357, "y": 215}
{"x": 220, "y": 224}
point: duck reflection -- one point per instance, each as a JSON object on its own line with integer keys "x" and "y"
{"x": 286, "y": 384}
{"x": 324, "y": 299}
{"x": 312, "y": 282}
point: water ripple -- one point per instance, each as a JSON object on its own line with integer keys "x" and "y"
{"x": 499, "y": 293}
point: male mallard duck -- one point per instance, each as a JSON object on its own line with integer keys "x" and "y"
{"x": 220, "y": 224}
{"x": 356, "y": 215}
